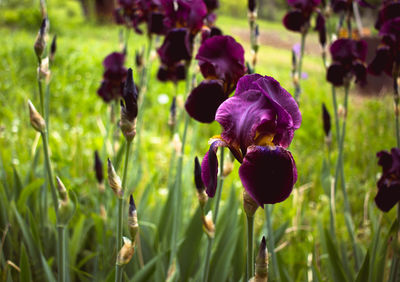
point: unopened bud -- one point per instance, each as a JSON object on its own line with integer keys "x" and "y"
{"x": 208, "y": 225}
{"x": 66, "y": 207}
{"x": 176, "y": 142}
{"x": 40, "y": 42}
{"x": 53, "y": 48}
{"x": 126, "y": 252}
{"x": 261, "y": 269}
{"x": 132, "y": 219}
{"x": 228, "y": 167}
{"x": 114, "y": 180}
{"x": 98, "y": 167}
{"x": 326, "y": 118}
{"x": 44, "y": 70}
{"x": 172, "y": 114}
{"x": 197, "y": 175}
{"x": 129, "y": 108}
{"x": 251, "y": 5}
{"x": 249, "y": 205}
{"x": 37, "y": 120}
{"x": 62, "y": 191}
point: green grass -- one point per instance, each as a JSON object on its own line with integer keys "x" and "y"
{"x": 78, "y": 123}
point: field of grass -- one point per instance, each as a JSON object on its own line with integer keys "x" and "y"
{"x": 79, "y": 120}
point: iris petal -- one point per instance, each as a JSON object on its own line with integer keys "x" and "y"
{"x": 294, "y": 20}
{"x": 268, "y": 174}
{"x": 204, "y": 100}
{"x": 388, "y": 195}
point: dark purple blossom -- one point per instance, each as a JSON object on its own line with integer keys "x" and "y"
{"x": 211, "y": 5}
{"x": 221, "y": 61}
{"x": 298, "y": 19}
{"x": 113, "y": 77}
{"x": 388, "y": 52}
{"x": 184, "y": 13}
{"x": 348, "y": 58}
{"x": 258, "y": 124}
{"x": 388, "y": 11}
{"x": 389, "y": 183}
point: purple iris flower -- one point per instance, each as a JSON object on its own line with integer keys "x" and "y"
{"x": 388, "y": 52}
{"x": 346, "y": 6}
{"x": 113, "y": 77}
{"x": 184, "y": 13}
{"x": 258, "y": 125}
{"x": 298, "y": 19}
{"x": 348, "y": 58}
{"x": 221, "y": 61}
{"x": 211, "y": 5}
{"x": 389, "y": 183}
{"x": 176, "y": 49}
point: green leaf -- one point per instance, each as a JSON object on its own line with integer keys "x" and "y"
{"x": 334, "y": 259}
{"x": 27, "y": 192}
{"x": 25, "y": 273}
{"x": 145, "y": 273}
{"x": 362, "y": 275}
{"x": 17, "y": 187}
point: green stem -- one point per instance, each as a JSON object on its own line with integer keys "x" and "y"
{"x": 250, "y": 255}
{"x": 49, "y": 171}
{"x": 335, "y": 109}
{"x": 62, "y": 260}
{"x": 215, "y": 215}
{"x": 120, "y": 205}
{"x": 300, "y": 64}
{"x": 271, "y": 243}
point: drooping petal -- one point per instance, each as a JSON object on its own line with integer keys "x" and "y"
{"x": 388, "y": 11}
{"x": 360, "y": 72}
{"x": 268, "y": 174}
{"x": 346, "y": 50}
{"x": 385, "y": 161}
{"x": 382, "y": 61}
{"x": 388, "y": 195}
{"x": 336, "y": 73}
{"x": 295, "y": 20}
{"x": 176, "y": 47}
{"x": 205, "y": 99}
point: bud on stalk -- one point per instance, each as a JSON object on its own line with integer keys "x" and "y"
{"x": 208, "y": 225}
{"x": 40, "y": 42}
{"x": 37, "y": 120}
{"x": 261, "y": 263}
{"x": 126, "y": 252}
{"x": 66, "y": 207}
{"x": 114, "y": 180}
{"x": 201, "y": 194}
{"x": 132, "y": 219}
{"x": 249, "y": 205}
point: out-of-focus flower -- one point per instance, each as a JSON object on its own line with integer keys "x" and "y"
{"x": 326, "y": 119}
{"x": 258, "y": 124}
{"x": 321, "y": 28}
{"x": 389, "y": 183}
{"x": 348, "y": 58}
{"x": 113, "y": 78}
{"x": 346, "y": 6}
{"x": 208, "y": 32}
{"x": 221, "y": 61}
{"x": 211, "y": 5}
{"x": 298, "y": 19}
{"x": 387, "y": 56}
{"x": 184, "y": 13}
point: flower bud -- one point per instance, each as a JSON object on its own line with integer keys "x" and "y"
{"x": 132, "y": 219}
{"x": 129, "y": 108}
{"x": 261, "y": 269}
{"x": 126, "y": 252}
{"x": 326, "y": 118}
{"x": 37, "y": 120}
{"x": 172, "y": 114}
{"x": 66, "y": 207}
{"x": 40, "y": 42}
{"x": 249, "y": 205}
{"x": 53, "y": 48}
{"x": 98, "y": 167}
{"x": 176, "y": 142}
{"x": 44, "y": 70}
{"x": 114, "y": 180}
{"x": 251, "y": 5}
{"x": 208, "y": 225}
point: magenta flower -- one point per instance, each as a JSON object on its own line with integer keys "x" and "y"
{"x": 113, "y": 77}
{"x": 348, "y": 57}
{"x": 298, "y": 19}
{"x": 258, "y": 125}
{"x": 221, "y": 61}
{"x": 389, "y": 183}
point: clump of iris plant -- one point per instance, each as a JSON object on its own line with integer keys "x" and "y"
{"x": 113, "y": 78}
{"x": 348, "y": 56}
{"x": 221, "y": 62}
{"x": 389, "y": 182}
{"x": 258, "y": 125}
